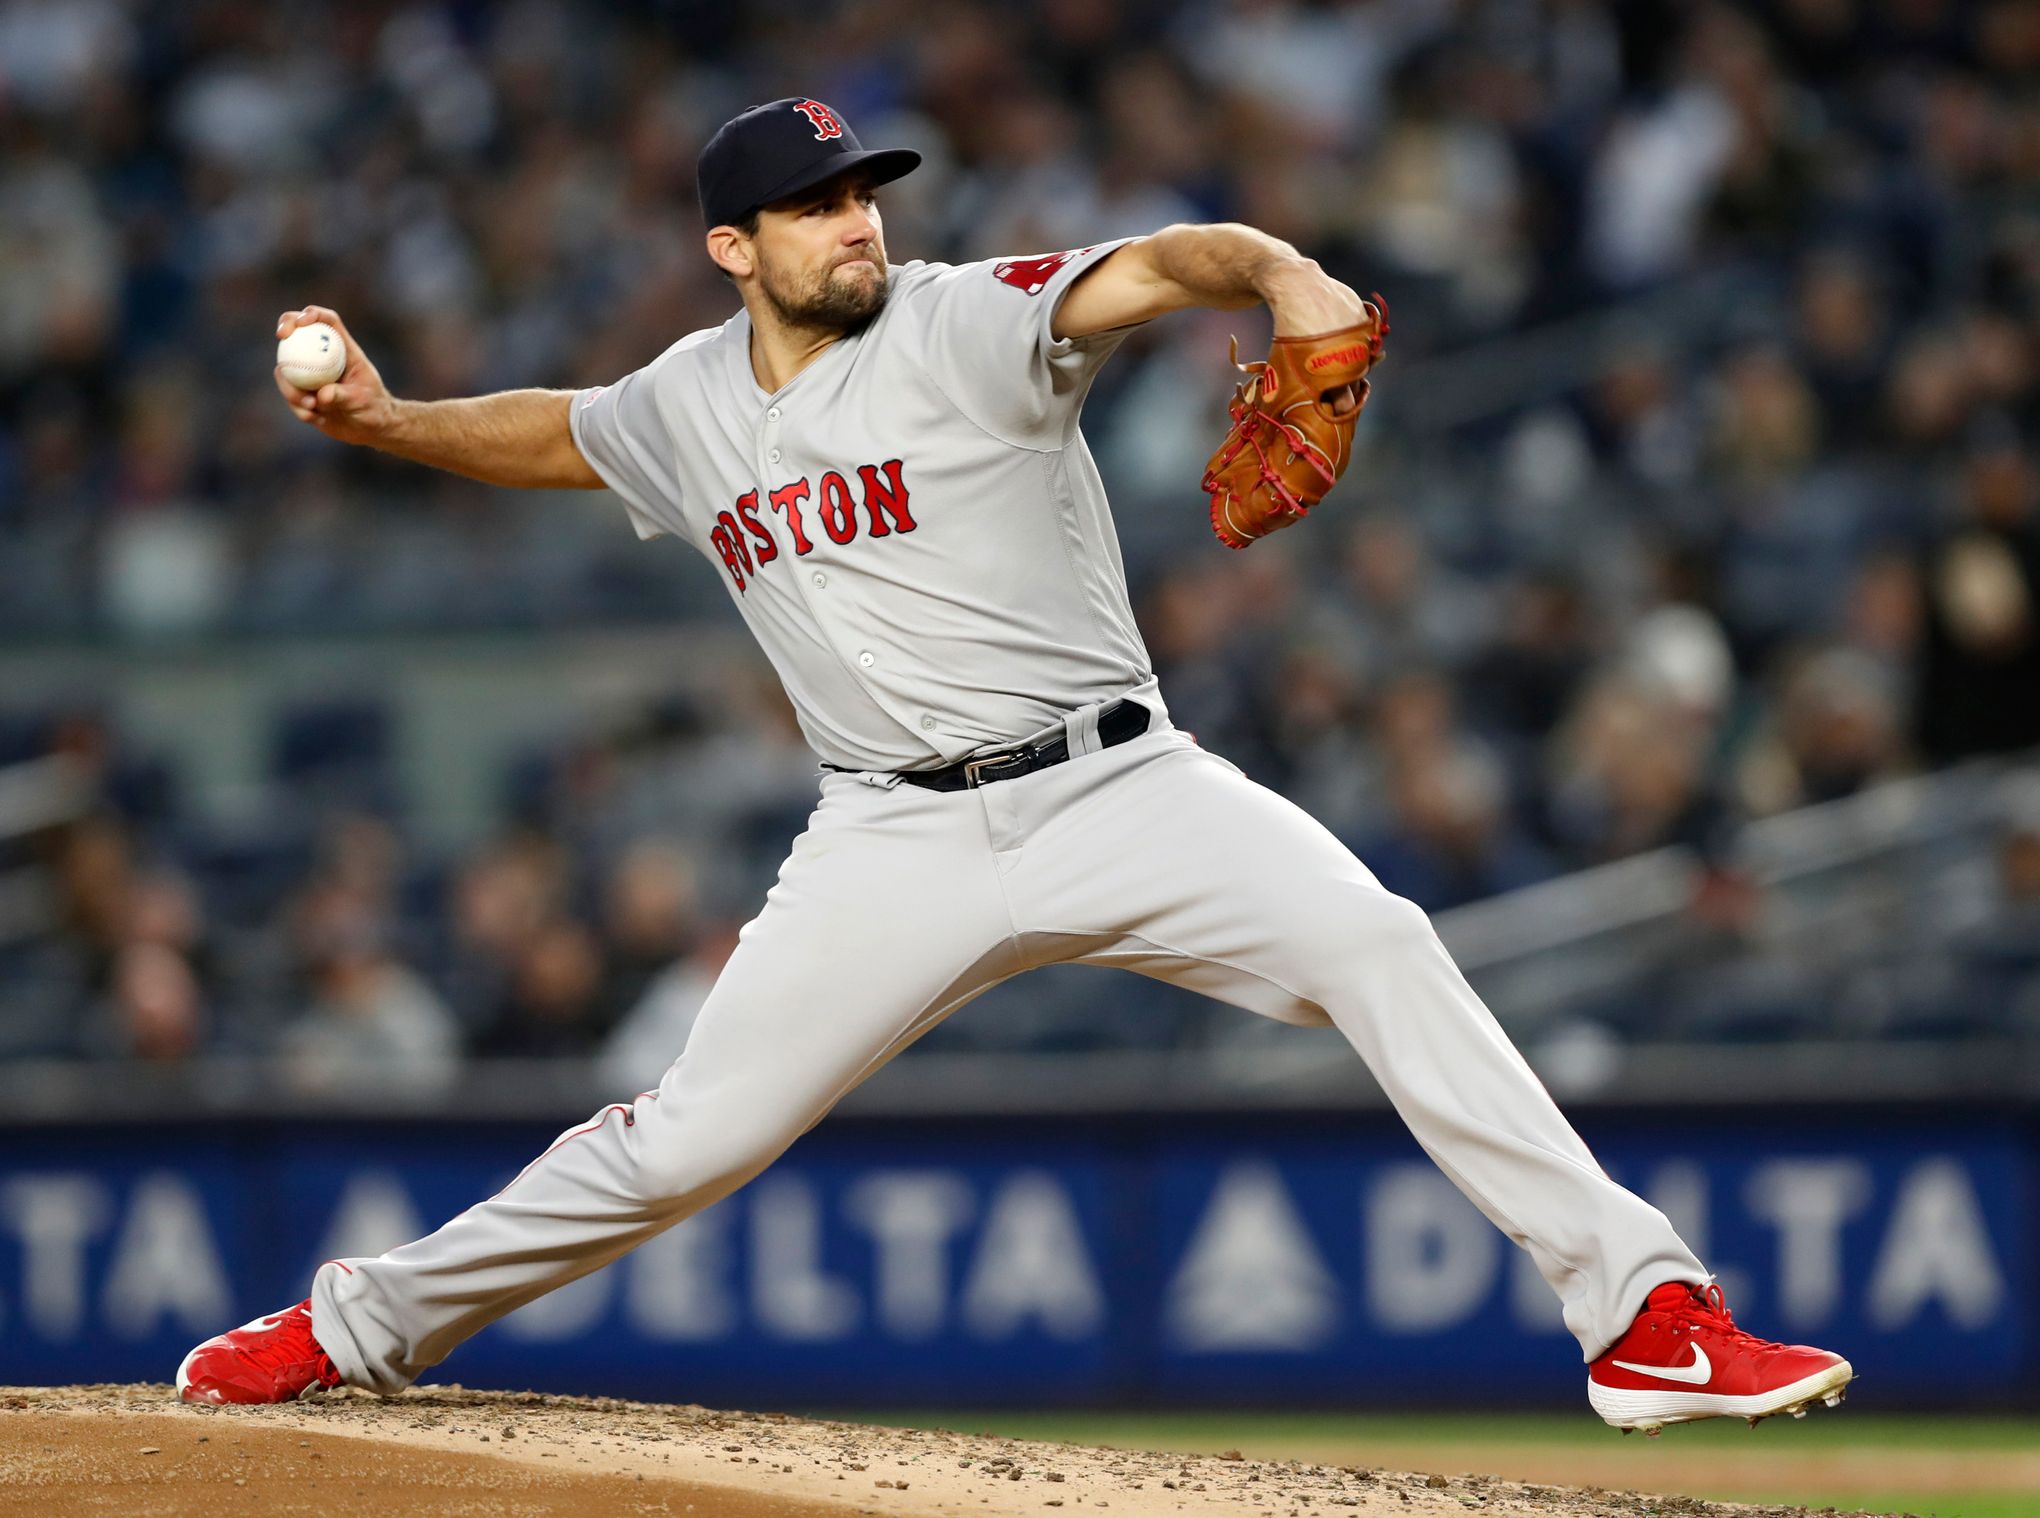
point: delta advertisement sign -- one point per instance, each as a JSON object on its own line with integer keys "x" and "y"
{"x": 1173, "y": 1262}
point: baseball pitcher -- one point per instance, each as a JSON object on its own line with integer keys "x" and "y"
{"x": 883, "y": 465}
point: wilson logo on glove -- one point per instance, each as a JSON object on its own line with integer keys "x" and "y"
{"x": 1292, "y": 431}
{"x": 1372, "y": 350}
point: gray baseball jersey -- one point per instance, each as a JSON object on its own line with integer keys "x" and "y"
{"x": 912, "y": 527}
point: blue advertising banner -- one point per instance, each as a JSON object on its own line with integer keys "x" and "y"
{"x": 1041, "y": 1262}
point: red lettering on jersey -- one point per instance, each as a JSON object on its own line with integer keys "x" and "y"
{"x": 827, "y": 123}
{"x": 786, "y": 501}
{"x": 889, "y": 498}
{"x": 839, "y": 516}
{"x": 886, "y": 508}
{"x": 1030, "y": 276}
{"x": 728, "y": 524}
{"x": 747, "y": 508}
{"x": 727, "y": 547}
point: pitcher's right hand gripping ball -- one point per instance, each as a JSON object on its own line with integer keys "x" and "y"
{"x": 355, "y": 407}
{"x": 1292, "y": 429}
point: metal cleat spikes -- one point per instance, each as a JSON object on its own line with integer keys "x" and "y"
{"x": 1833, "y": 1399}
{"x": 1797, "y": 1409}
{"x": 1653, "y": 1430}
{"x": 1756, "y": 1419}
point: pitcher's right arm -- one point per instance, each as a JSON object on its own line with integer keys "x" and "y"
{"x": 515, "y": 437}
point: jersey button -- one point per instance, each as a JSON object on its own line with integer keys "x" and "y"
{"x": 772, "y": 415}
{"x": 773, "y": 455}
{"x": 820, "y": 579}
{"x": 866, "y": 660}
{"x": 928, "y": 724}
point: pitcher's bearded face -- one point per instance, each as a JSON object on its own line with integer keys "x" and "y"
{"x": 821, "y": 259}
{"x": 840, "y": 296}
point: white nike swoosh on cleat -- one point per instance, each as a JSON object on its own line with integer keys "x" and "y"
{"x": 1696, "y": 1374}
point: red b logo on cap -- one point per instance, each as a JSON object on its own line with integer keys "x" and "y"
{"x": 825, "y": 121}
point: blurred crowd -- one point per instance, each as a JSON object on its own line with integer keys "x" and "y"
{"x": 1700, "y": 485}
{"x": 590, "y": 926}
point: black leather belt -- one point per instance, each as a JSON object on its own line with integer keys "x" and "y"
{"x": 1117, "y": 723}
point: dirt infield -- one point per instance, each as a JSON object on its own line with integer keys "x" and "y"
{"x": 443, "y": 1452}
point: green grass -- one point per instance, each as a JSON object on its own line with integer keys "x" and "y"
{"x": 1981, "y": 1505}
{"x": 1223, "y": 1430}
{"x": 1755, "y": 1466}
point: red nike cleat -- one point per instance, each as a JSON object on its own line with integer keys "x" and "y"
{"x": 1684, "y": 1359}
{"x": 273, "y": 1359}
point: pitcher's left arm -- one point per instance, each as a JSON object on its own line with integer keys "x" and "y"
{"x": 1293, "y": 416}
{"x": 1224, "y": 267}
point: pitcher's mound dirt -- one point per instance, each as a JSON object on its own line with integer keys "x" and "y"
{"x": 444, "y": 1452}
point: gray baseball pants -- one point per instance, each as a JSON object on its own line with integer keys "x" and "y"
{"x": 899, "y": 904}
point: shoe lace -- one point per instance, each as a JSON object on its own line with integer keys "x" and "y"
{"x": 281, "y": 1351}
{"x": 1709, "y": 1306}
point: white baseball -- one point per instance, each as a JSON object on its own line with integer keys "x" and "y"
{"x": 312, "y": 356}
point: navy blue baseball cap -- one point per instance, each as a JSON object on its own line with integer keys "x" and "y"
{"x": 776, "y": 150}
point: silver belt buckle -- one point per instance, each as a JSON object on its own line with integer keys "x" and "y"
{"x": 974, "y": 768}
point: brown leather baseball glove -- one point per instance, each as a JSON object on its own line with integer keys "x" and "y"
{"x": 1292, "y": 429}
